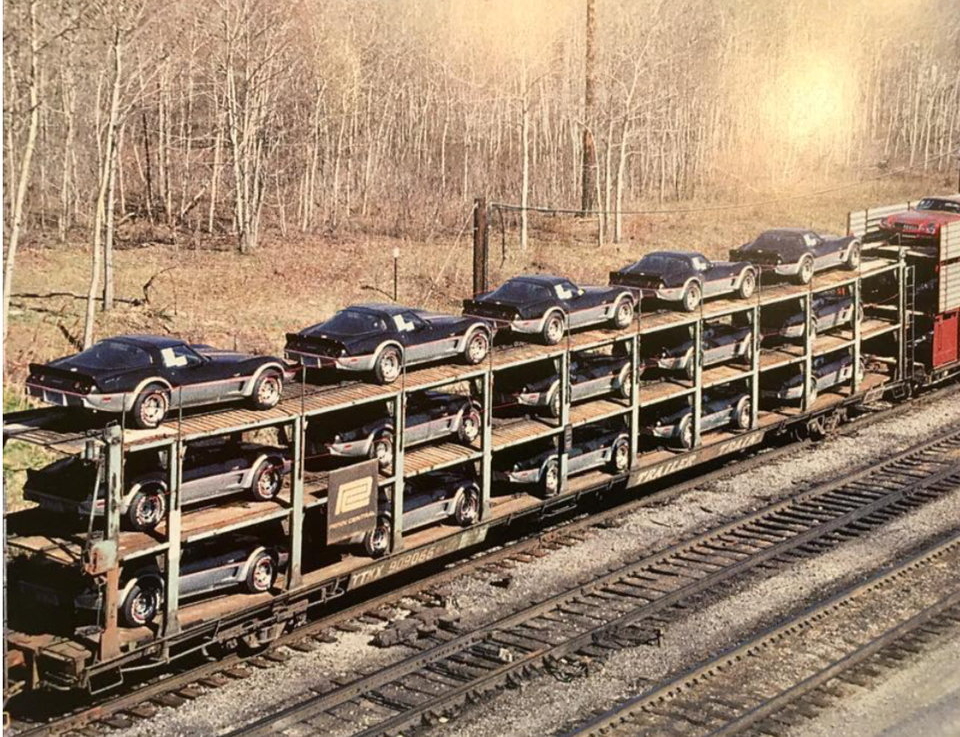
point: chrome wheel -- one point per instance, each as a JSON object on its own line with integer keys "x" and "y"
{"x": 382, "y": 450}
{"x": 806, "y": 270}
{"x": 268, "y": 482}
{"x": 553, "y": 331}
{"x": 551, "y": 478}
{"x": 261, "y": 577}
{"x": 853, "y": 258}
{"x": 621, "y": 457}
{"x": 743, "y": 416}
{"x": 153, "y": 408}
{"x": 478, "y": 347}
{"x": 748, "y": 285}
{"x": 624, "y": 313}
{"x": 470, "y": 427}
{"x": 626, "y": 383}
{"x": 686, "y": 435}
{"x": 268, "y": 392}
{"x": 468, "y": 509}
{"x": 691, "y": 297}
{"x": 144, "y": 606}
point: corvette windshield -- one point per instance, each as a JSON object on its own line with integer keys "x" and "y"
{"x": 111, "y": 354}
{"x": 932, "y": 203}
{"x": 520, "y": 291}
{"x": 354, "y": 321}
{"x": 659, "y": 262}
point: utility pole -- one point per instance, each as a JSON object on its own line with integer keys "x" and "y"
{"x": 481, "y": 255}
{"x": 588, "y": 181}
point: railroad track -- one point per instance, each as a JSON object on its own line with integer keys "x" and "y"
{"x": 849, "y": 639}
{"x": 624, "y": 607}
{"x": 141, "y": 700}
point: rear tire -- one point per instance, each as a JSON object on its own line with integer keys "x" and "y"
{"x": 262, "y": 573}
{"x": 623, "y": 313}
{"x": 554, "y": 406}
{"x": 267, "y": 390}
{"x": 812, "y": 391}
{"x": 692, "y": 296}
{"x": 477, "y": 348}
{"x": 550, "y": 478}
{"x": 805, "y": 274}
{"x": 853, "y": 257}
{"x": 742, "y": 414}
{"x": 748, "y": 284}
{"x": 267, "y": 481}
{"x": 381, "y": 450}
{"x": 553, "y": 329}
{"x": 389, "y": 365}
{"x": 467, "y": 510}
{"x": 470, "y": 424}
{"x": 141, "y": 604}
{"x": 147, "y": 509}
{"x": 626, "y": 381}
{"x": 376, "y": 542}
{"x": 151, "y": 407}
{"x": 686, "y": 432}
{"x": 620, "y": 457}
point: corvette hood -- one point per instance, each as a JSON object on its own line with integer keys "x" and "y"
{"x": 922, "y": 217}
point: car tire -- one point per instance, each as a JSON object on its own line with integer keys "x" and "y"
{"x": 550, "y": 478}
{"x": 477, "y": 347}
{"x": 467, "y": 511}
{"x": 261, "y": 574}
{"x": 470, "y": 425}
{"x": 742, "y": 414}
{"x": 381, "y": 450}
{"x": 141, "y": 604}
{"x": 555, "y": 406}
{"x": 747, "y": 355}
{"x": 553, "y": 328}
{"x": 620, "y": 456}
{"x": 748, "y": 284}
{"x": 267, "y": 390}
{"x": 622, "y": 313}
{"x": 151, "y": 406}
{"x": 853, "y": 256}
{"x": 812, "y": 392}
{"x": 692, "y": 297}
{"x": 806, "y": 269}
{"x": 267, "y": 480}
{"x": 147, "y": 509}
{"x": 860, "y": 313}
{"x": 389, "y": 365}
{"x": 376, "y": 542}
{"x": 626, "y": 381}
{"x": 686, "y": 432}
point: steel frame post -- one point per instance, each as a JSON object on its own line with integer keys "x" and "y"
{"x": 755, "y": 367}
{"x": 295, "y": 569}
{"x": 486, "y": 441}
{"x": 697, "y": 378}
{"x": 634, "y": 345}
{"x": 399, "y": 413}
{"x": 857, "y": 331}
{"x": 808, "y": 350}
{"x": 904, "y": 333}
{"x": 113, "y": 458}
{"x": 171, "y": 599}
{"x": 564, "y": 415}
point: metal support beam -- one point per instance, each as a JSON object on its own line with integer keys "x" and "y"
{"x": 633, "y": 345}
{"x": 697, "y": 378}
{"x": 857, "y": 330}
{"x": 171, "y": 617}
{"x": 564, "y": 414}
{"x": 486, "y": 440}
{"x": 295, "y": 569}
{"x": 399, "y": 422}
{"x": 808, "y": 337}
{"x": 113, "y": 460}
{"x": 755, "y": 367}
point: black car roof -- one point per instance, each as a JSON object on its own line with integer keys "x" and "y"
{"x": 685, "y": 254}
{"x": 786, "y": 231}
{"x": 546, "y": 280}
{"x": 381, "y": 308}
{"x": 148, "y": 341}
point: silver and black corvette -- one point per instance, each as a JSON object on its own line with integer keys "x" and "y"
{"x": 593, "y": 447}
{"x": 211, "y": 469}
{"x": 382, "y": 338}
{"x": 721, "y": 343}
{"x": 548, "y": 305}
{"x": 686, "y": 277}
{"x": 800, "y": 253}
{"x": 147, "y": 375}
{"x": 430, "y": 415}
{"x": 720, "y": 411}
{"x": 591, "y": 375}
{"x": 828, "y": 372}
{"x": 830, "y": 310}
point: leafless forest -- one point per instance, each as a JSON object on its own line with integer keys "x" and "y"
{"x": 131, "y": 121}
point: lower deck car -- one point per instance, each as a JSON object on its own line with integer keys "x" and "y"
{"x": 211, "y": 469}
{"x": 828, "y": 371}
{"x": 721, "y": 343}
{"x": 677, "y": 427}
{"x": 830, "y": 310}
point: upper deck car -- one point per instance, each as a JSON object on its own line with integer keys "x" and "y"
{"x": 211, "y": 469}
{"x": 147, "y": 375}
{"x": 547, "y": 305}
{"x": 686, "y": 277}
{"x": 799, "y": 253}
{"x": 383, "y": 338}
{"x": 924, "y": 221}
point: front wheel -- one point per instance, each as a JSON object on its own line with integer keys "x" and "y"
{"x": 470, "y": 424}
{"x": 267, "y": 481}
{"x": 381, "y": 449}
{"x": 376, "y": 542}
{"x": 805, "y": 273}
{"x": 853, "y": 257}
{"x": 623, "y": 313}
{"x": 147, "y": 509}
{"x": 742, "y": 414}
{"x": 553, "y": 329}
{"x": 389, "y": 365}
{"x": 812, "y": 391}
{"x": 468, "y": 508}
{"x": 550, "y": 478}
{"x": 151, "y": 407}
{"x": 620, "y": 457}
{"x": 141, "y": 604}
{"x": 748, "y": 284}
{"x": 686, "y": 432}
{"x": 262, "y": 573}
{"x": 478, "y": 347}
{"x": 267, "y": 390}
{"x": 691, "y": 297}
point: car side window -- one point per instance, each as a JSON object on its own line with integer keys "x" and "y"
{"x": 179, "y": 356}
{"x": 407, "y": 322}
{"x": 566, "y": 290}
{"x": 700, "y": 263}
{"x": 811, "y": 240}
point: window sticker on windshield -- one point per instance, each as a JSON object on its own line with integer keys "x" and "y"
{"x": 561, "y": 292}
{"x": 810, "y": 239}
{"x": 171, "y": 359}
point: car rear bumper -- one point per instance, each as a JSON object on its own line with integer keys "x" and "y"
{"x": 781, "y": 269}
{"x": 59, "y": 504}
{"x": 787, "y": 393}
{"x": 526, "y": 476}
{"x": 660, "y": 431}
{"x": 349, "y": 448}
{"x": 343, "y": 363}
{"x": 63, "y": 398}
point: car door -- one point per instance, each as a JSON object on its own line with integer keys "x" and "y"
{"x": 580, "y": 306}
{"x": 824, "y": 252}
{"x": 715, "y": 279}
{"x": 196, "y": 380}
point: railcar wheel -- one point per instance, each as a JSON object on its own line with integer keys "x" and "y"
{"x": 381, "y": 449}
{"x": 553, "y": 329}
{"x": 748, "y": 285}
{"x": 691, "y": 297}
{"x": 853, "y": 257}
{"x": 267, "y": 390}
{"x": 151, "y": 407}
{"x": 805, "y": 274}
{"x": 468, "y": 508}
{"x": 389, "y": 365}
{"x": 147, "y": 508}
{"x": 470, "y": 424}
{"x": 550, "y": 478}
{"x": 478, "y": 347}
{"x": 267, "y": 480}
{"x": 376, "y": 542}
{"x": 623, "y": 313}
{"x": 262, "y": 573}
{"x": 141, "y": 604}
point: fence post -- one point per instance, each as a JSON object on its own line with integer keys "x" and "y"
{"x": 480, "y": 246}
